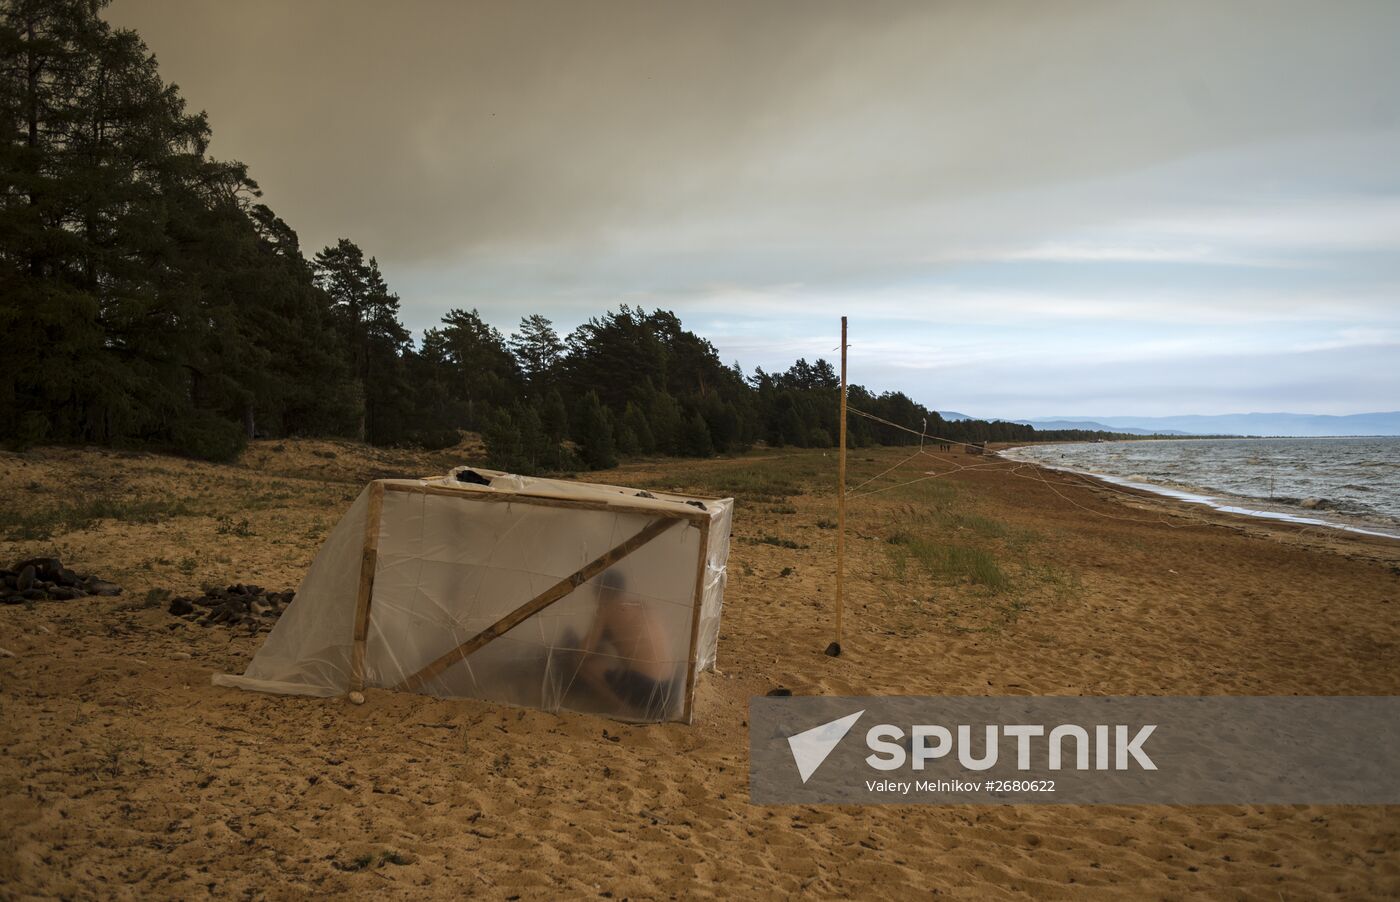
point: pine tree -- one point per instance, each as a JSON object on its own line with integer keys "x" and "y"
{"x": 627, "y": 444}
{"x": 664, "y": 415}
{"x": 482, "y": 374}
{"x": 101, "y": 164}
{"x": 636, "y": 422}
{"x": 537, "y": 349}
{"x": 595, "y": 434}
{"x": 695, "y": 438}
{"x": 533, "y": 444}
{"x": 367, "y": 314}
{"x": 502, "y": 440}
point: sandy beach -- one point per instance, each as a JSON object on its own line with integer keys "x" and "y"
{"x": 125, "y": 774}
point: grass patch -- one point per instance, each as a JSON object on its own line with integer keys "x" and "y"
{"x": 773, "y": 479}
{"x": 748, "y": 484}
{"x": 952, "y": 563}
{"x": 44, "y": 523}
{"x": 941, "y": 518}
{"x": 983, "y": 526}
{"x": 227, "y": 527}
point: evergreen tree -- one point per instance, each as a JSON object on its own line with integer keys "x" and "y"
{"x": 537, "y": 350}
{"x": 627, "y": 444}
{"x": 100, "y": 162}
{"x": 595, "y": 434}
{"x": 636, "y": 422}
{"x": 695, "y": 438}
{"x": 664, "y": 415}
{"x": 367, "y": 315}
{"x": 534, "y": 446}
{"x": 482, "y": 372}
{"x": 502, "y": 440}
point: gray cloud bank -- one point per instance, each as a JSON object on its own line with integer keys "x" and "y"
{"x": 786, "y": 157}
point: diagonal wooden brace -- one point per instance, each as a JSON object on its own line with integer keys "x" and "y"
{"x": 538, "y": 603}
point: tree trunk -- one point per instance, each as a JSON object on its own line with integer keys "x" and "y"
{"x": 33, "y": 68}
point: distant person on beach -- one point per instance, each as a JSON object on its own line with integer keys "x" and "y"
{"x": 626, "y": 658}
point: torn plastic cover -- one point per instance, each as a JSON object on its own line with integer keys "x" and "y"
{"x": 451, "y": 563}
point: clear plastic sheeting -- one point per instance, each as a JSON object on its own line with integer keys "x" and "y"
{"x": 544, "y": 593}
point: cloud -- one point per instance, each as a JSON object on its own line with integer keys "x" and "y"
{"x": 980, "y": 183}
{"x": 434, "y": 131}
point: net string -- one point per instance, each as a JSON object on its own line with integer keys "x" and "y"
{"x": 1012, "y": 469}
{"x": 1038, "y": 475}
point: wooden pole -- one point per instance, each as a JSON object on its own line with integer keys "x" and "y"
{"x": 834, "y": 649}
{"x": 369, "y": 561}
{"x": 691, "y": 674}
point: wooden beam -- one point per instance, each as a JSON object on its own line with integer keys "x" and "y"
{"x": 369, "y": 560}
{"x": 538, "y": 603}
{"x": 692, "y": 675}
{"x": 613, "y": 507}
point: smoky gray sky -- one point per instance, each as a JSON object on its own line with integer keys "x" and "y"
{"x": 1026, "y": 209}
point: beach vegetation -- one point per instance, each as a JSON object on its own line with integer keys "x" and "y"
{"x": 31, "y": 522}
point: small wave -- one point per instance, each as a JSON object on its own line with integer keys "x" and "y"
{"x": 1305, "y": 480}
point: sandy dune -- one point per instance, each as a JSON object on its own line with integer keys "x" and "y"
{"x": 126, "y": 774}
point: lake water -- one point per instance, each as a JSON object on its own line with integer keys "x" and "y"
{"x": 1347, "y": 482}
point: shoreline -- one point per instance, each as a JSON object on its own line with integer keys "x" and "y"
{"x": 1222, "y": 502}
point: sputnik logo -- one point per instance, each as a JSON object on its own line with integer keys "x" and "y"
{"x": 811, "y": 747}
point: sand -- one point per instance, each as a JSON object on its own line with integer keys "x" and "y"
{"x": 126, "y": 774}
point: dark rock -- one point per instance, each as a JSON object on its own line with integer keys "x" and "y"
{"x": 34, "y": 594}
{"x": 63, "y": 593}
{"x": 96, "y": 586}
{"x": 241, "y": 604}
{"x": 44, "y": 567}
{"x": 66, "y": 577}
{"x": 25, "y": 581}
{"x": 14, "y": 599}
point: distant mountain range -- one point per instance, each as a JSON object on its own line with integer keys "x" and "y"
{"x": 1290, "y": 424}
{"x": 1096, "y": 426}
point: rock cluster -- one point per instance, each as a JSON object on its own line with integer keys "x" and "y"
{"x": 236, "y": 605}
{"x": 45, "y": 578}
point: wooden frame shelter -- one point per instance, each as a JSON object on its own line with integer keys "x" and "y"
{"x": 657, "y": 515}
